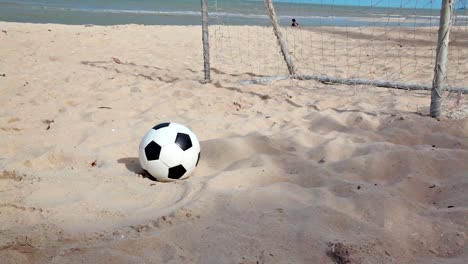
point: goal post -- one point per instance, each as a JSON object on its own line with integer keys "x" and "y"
{"x": 279, "y": 36}
{"x": 205, "y": 39}
{"x": 391, "y": 44}
{"x": 440, "y": 68}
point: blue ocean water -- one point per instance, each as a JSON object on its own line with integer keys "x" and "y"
{"x": 237, "y": 12}
{"x": 435, "y": 4}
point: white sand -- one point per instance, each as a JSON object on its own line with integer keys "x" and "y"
{"x": 286, "y": 168}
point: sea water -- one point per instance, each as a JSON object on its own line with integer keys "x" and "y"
{"x": 230, "y": 12}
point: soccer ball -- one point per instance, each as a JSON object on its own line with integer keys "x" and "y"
{"x": 169, "y": 151}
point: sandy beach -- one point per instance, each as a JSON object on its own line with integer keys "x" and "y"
{"x": 290, "y": 171}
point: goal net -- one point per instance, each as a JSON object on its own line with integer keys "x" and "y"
{"x": 388, "y": 40}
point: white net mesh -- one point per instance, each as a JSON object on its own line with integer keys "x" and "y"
{"x": 392, "y": 40}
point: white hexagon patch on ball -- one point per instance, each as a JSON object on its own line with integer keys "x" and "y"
{"x": 169, "y": 151}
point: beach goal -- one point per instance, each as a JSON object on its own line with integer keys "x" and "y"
{"x": 390, "y": 43}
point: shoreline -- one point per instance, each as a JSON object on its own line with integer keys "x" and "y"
{"x": 305, "y": 22}
{"x": 309, "y": 15}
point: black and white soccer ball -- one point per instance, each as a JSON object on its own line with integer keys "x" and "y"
{"x": 169, "y": 151}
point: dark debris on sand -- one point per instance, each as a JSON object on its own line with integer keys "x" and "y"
{"x": 48, "y": 122}
{"x": 340, "y": 253}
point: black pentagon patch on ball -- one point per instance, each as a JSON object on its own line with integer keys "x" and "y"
{"x": 152, "y": 151}
{"x": 176, "y": 172}
{"x": 198, "y": 159}
{"x": 183, "y": 141}
{"x": 161, "y": 126}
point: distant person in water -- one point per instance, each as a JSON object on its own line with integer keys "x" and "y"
{"x": 294, "y": 23}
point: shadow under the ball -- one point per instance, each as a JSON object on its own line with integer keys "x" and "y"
{"x": 133, "y": 165}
